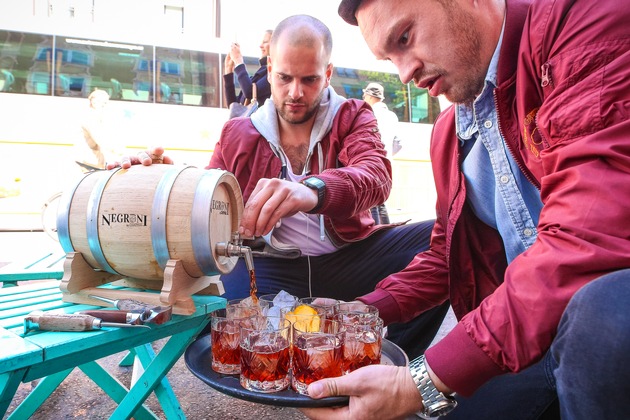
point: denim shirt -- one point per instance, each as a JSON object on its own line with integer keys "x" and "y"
{"x": 497, "y": 190}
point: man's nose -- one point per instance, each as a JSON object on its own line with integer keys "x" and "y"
{"x": 406, "y": 69}
{"x": 295, "y": 91}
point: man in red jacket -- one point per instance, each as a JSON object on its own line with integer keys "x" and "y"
{"x": 532, "y": 240}
{"x": 310, "y": 165}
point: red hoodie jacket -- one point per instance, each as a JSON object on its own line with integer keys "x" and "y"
{"x": 563, "y": 101}
{"x": 356, "y": 171}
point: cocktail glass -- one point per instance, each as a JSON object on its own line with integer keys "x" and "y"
{"x": 265, "y": 357}
{"x": 244, "y": 308}
{"x": 317, "y": 352}
{"x": 225, "y": 337}
{"x": 327, "y": 304}
{"x": 364, "y": 340}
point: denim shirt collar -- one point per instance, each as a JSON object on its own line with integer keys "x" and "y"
{"x": 465, "y": 122}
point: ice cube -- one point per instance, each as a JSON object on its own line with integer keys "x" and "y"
{"x": 367, "y": 337}
{"x": 274, "y": 311}
{"x": 284, "y": 300}
{"x": 318, "y": 341}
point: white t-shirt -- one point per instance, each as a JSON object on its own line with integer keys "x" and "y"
{"x": 303, "y": 229}
{"x": 387, "y": 121}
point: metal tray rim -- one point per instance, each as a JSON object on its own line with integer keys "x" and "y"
{"x": 198, "y": 359}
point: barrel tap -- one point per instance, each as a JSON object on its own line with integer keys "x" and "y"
{"x": 235, "y": 248}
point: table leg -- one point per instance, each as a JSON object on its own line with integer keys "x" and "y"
{"x": 112, "y": 387}
{"x": 156, "y": 370}
{"x": 163, "y": 391}
{"x": 36, "y": 398}
{"x": 128, "y": 359}
{"x": 9, "y": 383}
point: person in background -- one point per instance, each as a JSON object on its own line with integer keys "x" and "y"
{"x": 100, "y": 145}
{"x": 234, "y": 64}
{"x": 532, "y": 240}
{"x": 310, "y": 165}
{"x": 374, "y": 94}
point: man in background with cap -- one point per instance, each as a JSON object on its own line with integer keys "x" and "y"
{"x": 374, "y": 94}
{"x": 528, "y": 244}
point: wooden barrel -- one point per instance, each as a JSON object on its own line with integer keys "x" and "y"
{"x": 131, "y": 222}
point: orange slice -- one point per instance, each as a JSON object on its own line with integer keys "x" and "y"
{"x": 305, "y": 318}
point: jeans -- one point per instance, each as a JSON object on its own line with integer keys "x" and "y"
{"x": 584, "y": 375}
{"x": 345, "y": 274}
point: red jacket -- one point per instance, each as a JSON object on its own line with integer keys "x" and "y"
{"x": 356, "y": 171}
{"x": 563, "y": 102}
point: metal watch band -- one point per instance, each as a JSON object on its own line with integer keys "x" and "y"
{"x": 319, "y": 186}
{"x": 435, "y": 403}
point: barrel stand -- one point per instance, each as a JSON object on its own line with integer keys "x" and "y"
{"x": 80, "y": 280}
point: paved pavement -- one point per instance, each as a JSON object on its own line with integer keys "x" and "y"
{"x": 79, "y": 398}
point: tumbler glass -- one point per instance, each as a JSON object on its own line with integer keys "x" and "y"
{"x": 356, "y": 312}
{"x": 225, "y": 337}
{"x": 363, "y": 343}
{"x": 244, "y": 308}
{"x": 317, "y": 352}
{"x": 265, "y": 357}
{"x": 327, "y": 304}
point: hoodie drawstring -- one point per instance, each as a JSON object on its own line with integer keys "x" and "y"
{"x": 320, "y": 154}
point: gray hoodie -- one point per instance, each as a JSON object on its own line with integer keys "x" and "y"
{"x": 265, "y": 120}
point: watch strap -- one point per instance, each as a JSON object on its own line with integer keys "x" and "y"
{"x": 319, "y": 186}
{"x": 435, "y": 402}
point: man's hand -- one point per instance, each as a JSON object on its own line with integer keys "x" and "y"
{"x": 376, "y": 392}
{"x": 271, "y": 200}
{"x": 146, "y": 158}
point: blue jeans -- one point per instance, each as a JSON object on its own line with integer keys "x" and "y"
{"x": 350, "y": 272}
{"x": 585, "y": 374}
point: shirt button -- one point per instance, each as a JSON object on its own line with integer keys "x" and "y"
{"x": 487, "y": 123}
{"x": 504, "y": 179}
{"x": 528, "y": 232}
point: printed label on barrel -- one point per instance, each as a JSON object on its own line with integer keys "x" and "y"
{"x": 125, "y": 219}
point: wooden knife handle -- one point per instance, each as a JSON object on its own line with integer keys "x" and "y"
{"x": 63, "y": 322}
{"x": 109, "y": 316}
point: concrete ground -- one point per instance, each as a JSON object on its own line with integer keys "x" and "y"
{"x": 79, "y": 398}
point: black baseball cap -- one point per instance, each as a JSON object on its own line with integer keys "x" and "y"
{"x": 347, "y": 9}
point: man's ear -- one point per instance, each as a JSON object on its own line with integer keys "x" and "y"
{"x": 329, "y": 72}
{"x": 269, "y": 68}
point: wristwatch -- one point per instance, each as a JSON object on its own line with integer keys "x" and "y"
{"x": 435, "y": 403}
{"x": 318, "y": 185}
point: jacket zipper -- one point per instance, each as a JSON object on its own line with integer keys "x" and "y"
{"x": 545, "y": 81}
{"x": 546, "y": 75}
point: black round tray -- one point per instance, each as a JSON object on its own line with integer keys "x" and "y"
{"x": 198, "y": 359}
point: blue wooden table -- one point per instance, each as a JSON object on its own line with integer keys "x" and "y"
{"x": 46, "y": 266}
{"x": 53, "y": 355}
